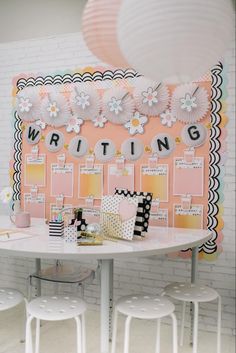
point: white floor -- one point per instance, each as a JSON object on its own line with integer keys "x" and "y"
{"x": 60, "y": 337}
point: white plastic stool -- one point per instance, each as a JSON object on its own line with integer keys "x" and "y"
{"x": 196, "y": 294}
{"x": 9, "y": 298}
{"x": 144, "y": 307}
{"x": 56, "y": 308}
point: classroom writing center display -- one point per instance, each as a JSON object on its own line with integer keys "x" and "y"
{"x": 80, "y": 136}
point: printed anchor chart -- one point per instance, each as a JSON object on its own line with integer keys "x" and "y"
{"x": 160, "y": 145}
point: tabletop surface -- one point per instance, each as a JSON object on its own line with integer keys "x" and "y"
{"x": 159, "y": 240}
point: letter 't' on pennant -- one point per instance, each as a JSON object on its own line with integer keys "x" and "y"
{"x": 54, "y": 141}
{"x": 163, "y": 145}
{"x": 78, "y": 146}
{"x": 104, "y": 150}
{"x": 32, "y": 134}
{"x": 132, "y": 149}
{"x": 194, "y": 135}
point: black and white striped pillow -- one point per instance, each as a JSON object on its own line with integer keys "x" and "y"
{"x": 144, "y": 208}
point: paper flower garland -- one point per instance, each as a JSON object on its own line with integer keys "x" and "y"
{"x": 136, "y": 123}
{"x": 27, "y": 104}
{"x": 99, "y": 121}
{"x": 74, "y": 125}
{"x": 55, "y": 110}
{"x": 151, "y": 97}
{"x": 41, "y": 123}
{"x": 85, "y": 102}
{"x": 167, "y": 118}
{"x": 118, "y": 105}
{"x": 189, "y": 103}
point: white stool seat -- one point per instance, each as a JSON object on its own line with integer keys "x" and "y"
{"x": 9, "y": 298}
{"x": 191, "y": 292}
{"x": 195, "y": 294}
{"x": 56, "y": 308}
{"x": 145, "y": 306}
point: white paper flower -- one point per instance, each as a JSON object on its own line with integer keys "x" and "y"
{"x": 99, "y": 121}
{"x": 188, "y": 102}
{"x": 150, "y": 97}
{"x": 167, "y": 118}
{"x": 136, "y": 123}
{"x": 115, "y": 105}
{"x": 82, "y": 100}
{"x": 6, "y": 194}
{"x": 41, "y": 124}
{"x": 24, "y": 104}
{"x": 53, "y": 109}
{"x": 28, "y": 104}
{"x": 74, "y": 125}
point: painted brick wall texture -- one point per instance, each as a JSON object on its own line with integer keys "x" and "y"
{"x": 150, "y": 275}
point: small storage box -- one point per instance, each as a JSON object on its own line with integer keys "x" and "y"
{"x": 56, "y": 229}
{"x": 70, "y": 234}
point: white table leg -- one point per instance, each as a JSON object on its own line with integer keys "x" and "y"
{"x": 106, "y": 266}
{"x": 37, "y": 269}
{"x": 194, "y": 270}
{"x": 111, "y": 300}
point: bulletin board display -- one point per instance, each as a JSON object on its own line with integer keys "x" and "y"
{"x": 178, "y": 160}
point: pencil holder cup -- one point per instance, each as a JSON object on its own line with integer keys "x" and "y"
{"x": 56, "y": 229}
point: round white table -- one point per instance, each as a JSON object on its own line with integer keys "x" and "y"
{"x": 158, "y": 241}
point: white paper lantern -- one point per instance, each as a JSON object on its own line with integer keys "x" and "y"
{"x": 175, "y": 40}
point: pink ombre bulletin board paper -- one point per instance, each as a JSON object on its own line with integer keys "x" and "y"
{"x": 35, "y": 205}
{"x": 35, "y": 170}
{"x": 189, "y": 177}
{"x": 122, "y": 179}
{"x": 90, "y": 181}
{"x": 62, "y": 180}
{"x": 118, "y": 134}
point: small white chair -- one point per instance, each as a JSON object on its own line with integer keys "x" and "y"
{"x": 144, "y": 307}
{"x": 56, "y": 308}
{"x": 194, "y": 293}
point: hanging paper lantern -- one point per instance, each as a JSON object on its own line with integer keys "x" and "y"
{"x": 27, "y": 104}
{"x": 99, "y": 27}
{"x": 118, "y": 105}
{"x": 190, "y": 103}
{"x": 85, "y": 102}
{"x": 54, "y": 108}
{"x": 151, "y": 97}
{"x": 175, "y": 40}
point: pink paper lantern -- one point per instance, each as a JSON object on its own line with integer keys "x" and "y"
{"x": 99, "y": 24}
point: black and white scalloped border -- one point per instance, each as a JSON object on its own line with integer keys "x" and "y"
{"x": 214, "y": 167}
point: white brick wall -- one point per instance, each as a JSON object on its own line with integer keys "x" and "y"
{"x": 148, "y": 274}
